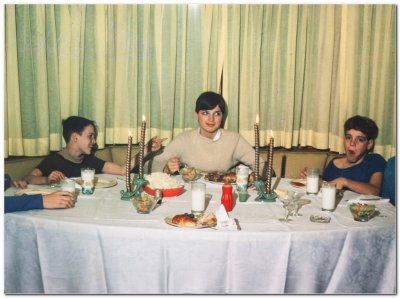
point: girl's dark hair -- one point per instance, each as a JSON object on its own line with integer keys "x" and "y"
{"x": 76, "y": 124}
{"x": 363, "y": 124}
{"x": 209, "y": 100}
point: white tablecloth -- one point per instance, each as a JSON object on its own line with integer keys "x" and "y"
{"x": 103, "y": 246}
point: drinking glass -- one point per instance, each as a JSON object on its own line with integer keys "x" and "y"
{"x": 312, "y": 180}
{"x": 328, "y": 196}
{"x": 296, "y": 196}
{"x": 69, "y": 185}
{"x": 198, "y": 190}
{"x": 87, "y": 175}
{"x": 242, "y": 177}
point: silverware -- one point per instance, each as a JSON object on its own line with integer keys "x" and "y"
{"x": 277, "y": 180}
{"x": 237, "y": 224}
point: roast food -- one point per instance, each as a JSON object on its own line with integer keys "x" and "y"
{"x": 188, "y": 220}
{"x": 222, "y": 177}
{"x": 184, "y": 220}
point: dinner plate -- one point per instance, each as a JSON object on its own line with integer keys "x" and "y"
{"x": 100, "y": 182}
{"x": 299, "y": 183}
{"x": 215, "y": 182}
{"x": 34, "y": 191}
{"x": 168, "y": 220}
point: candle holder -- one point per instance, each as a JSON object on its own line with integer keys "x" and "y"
{"x": 263, "y": 196}
{"x": 137, "y": 189}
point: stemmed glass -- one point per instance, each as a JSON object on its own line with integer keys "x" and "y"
{"x": 290, "y": 206}
{"x": 296, "y": 198}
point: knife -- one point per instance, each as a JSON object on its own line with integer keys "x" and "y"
{"x": 278, "y": 179}
{"x": 237, "y": 224}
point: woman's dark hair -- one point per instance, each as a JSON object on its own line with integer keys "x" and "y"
{"x": 363, "y": 124}
{"x": 76, "y": 124}
{"x": 209, "y": 100}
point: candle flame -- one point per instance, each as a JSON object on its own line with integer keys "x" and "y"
{"x": 129, "y": 133}
{"x": 143, "y": 118}
{"x": 271, "y": 134}
{"x": 257, "y": 119}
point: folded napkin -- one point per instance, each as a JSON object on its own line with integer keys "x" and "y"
{"x": 223, "y": 220}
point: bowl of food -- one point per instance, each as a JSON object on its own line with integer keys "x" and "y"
{"x": 168, "y": 185}
{"x": 144, "y": 204}
{"x": 361, "y": 211}
{"x": 190, "y": 174}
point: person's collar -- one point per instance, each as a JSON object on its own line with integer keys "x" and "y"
{"x": 217, "y": 135}
{"x": 65, "y": 154}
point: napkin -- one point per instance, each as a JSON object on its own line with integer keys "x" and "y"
{"x": 223, "y": 220}
{"x": 368, "y": 199}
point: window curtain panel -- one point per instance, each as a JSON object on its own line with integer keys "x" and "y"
{"x": 304, "y": 69}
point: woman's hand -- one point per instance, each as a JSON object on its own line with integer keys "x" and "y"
{"x": 303, "y": 173}
{"x": 20, "y": 184}
{"x": 153, "y": 145}
{"x": 172, "y": 165}
{"x": 59, "y": 199}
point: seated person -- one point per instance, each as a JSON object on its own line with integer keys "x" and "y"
{"x": 359, "y": 170}
{"x": 80, "y": 136}
{"x": 208, "y": 148}
{"x": 59, "y": 199}
{"x": 389, "y": 181}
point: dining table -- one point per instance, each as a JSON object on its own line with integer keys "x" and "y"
{"x": 104, "y": 246}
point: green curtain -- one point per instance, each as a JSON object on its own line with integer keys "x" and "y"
{"x": 303, "y": 68}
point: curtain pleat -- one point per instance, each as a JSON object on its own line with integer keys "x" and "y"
{"x": 304, "y": 69}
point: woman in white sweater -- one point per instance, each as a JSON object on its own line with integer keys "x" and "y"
{"x": 208, "y": 148}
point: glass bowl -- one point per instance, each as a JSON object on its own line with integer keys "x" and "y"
{"x": 144, "y": 204}
{"x": 362, "y": 212}
{"x": 190, "y": 174}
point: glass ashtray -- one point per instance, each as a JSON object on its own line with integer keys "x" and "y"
{"x": 320, "y": 218}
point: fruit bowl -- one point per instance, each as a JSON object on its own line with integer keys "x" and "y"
{"x": 190, "y": 174}
{"x": 144, "y": 204}
{"x": 167, "y": 192}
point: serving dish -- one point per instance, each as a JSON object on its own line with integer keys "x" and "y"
{"x": 166, "y": 193}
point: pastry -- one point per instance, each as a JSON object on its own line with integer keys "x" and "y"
{"x": 208, "y": 220}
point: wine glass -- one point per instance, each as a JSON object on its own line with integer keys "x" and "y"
{"x": 296, "y": 198}
{"x": 289, "y": 205}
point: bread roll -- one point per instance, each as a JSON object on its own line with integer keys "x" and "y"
{"x": 183, "y": 220}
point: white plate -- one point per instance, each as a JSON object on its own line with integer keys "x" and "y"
{"x": 100, "y": 182}
{"x": 168, "y": 220}
{"x": 219, "y": 183}
{"x": 299, "y": 183}
{"x": 34, "y": 191}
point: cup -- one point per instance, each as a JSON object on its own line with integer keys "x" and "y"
{"x": 242, "y": 177}
{"x": 312, "y": 180}
{"x": 69, "y": 185}
{"x": 243, "y": 195}
{"x": 198, "y": 190}
{"x": 87, "y": 175}
{"x": 328, "y": 196}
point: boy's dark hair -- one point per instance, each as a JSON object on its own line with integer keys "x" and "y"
{"x": 209, "y": 100}
{"x": 363, "y": 124}
{"x": 76, "y": 124}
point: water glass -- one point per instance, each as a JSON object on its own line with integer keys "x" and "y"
{"x": 69, "y": 185}
{"x": 243, "y": 195}
{"x": 328, "y": 196}
{"x": 242, "y": 177}
{"x": 312, "y": 180}
{"x": 87, "y": 175}
{"x": 198, "y": 190}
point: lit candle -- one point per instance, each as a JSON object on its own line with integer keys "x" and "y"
{"x": 257, "y": 149}
{"x": 270, "y": 160}
{"x": 141, "y": 153}
{"x": 128, "y": 164}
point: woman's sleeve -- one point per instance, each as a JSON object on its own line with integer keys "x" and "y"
{"x": 22, "y": 203}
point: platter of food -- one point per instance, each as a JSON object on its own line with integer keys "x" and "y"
{"x": 187, "y": 220}
{"x": 100, "y": 182}
{"x": 220, "y": 177}
{"x": 299, "y": 183}
{"x": 190, "y": 174}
